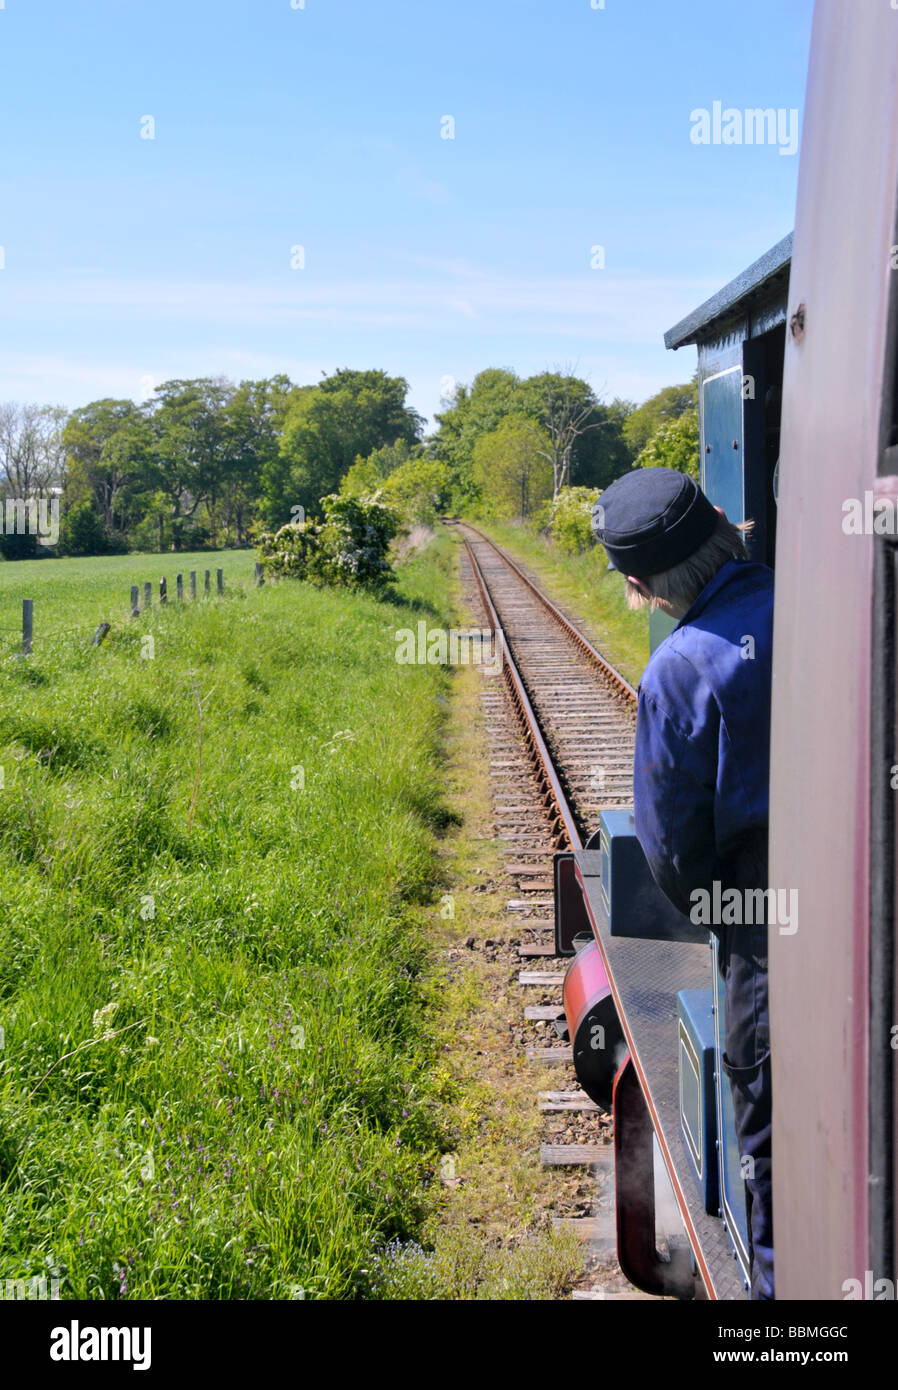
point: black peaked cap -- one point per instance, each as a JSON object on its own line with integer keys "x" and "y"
{"x": 652, "y": 519}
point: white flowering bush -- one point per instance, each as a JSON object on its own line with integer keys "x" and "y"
{"x": 349, "y": 545}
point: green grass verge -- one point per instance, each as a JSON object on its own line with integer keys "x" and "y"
{"x": 585, "y": 585}
{"x": 216, "y": 1080}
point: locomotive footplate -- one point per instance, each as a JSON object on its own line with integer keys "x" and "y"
{"x": 646, "y": 977}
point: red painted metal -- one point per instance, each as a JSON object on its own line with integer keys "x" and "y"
{"x": 588, "y": 1007}
{"x": 585, "y": 985}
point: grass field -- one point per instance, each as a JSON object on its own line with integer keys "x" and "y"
{"x": 72, "y": 596}
{"x": 217, "y": 864}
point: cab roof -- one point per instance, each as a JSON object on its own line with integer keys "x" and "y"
{"x": 753, "y": 284}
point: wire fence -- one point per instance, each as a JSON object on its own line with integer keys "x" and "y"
{"x": 98, "y": 634}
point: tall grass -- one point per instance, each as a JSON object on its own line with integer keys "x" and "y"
{"x": 216, "y": 852}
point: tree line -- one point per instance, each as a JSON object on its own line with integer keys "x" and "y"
{"x": 210, "y": 463}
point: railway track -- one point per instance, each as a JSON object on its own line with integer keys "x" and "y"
{"x": 561, "y": 747}
{"x": 577, "y": 712}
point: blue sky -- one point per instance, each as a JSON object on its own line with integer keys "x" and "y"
{"x": 129, "y": 261}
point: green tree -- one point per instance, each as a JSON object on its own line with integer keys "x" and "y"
{"x": 512, "y": 467}
{"x": 419, "y": 490}
{"x": 585, "y": 438}
{"x": 675, "y": 445}
{"x": 327, "y": 427}
{"x": 82, "y": 532}
{"x": 474, "y": 411}
{"x": 277, "y": 490}
{"x": 366, "y": 475}
{"x": 190, "y": 448}
{"x": 665, "y": 405}
{"x": 108, "y": 450}
{"x": 253, "y": 418}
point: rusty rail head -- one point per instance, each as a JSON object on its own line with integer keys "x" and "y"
{"x": 564, "y": 823}
{"x": 618, "y": 682}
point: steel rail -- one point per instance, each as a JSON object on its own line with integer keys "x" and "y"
{"x": 620, "y": 684}
{"x": 564, "y": 823}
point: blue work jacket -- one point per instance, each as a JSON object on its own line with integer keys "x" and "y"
{"x": 702, "y": 761}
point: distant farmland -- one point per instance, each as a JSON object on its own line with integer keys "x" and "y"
{"x": 72, "y": 596}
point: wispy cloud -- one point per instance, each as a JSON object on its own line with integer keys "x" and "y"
{"x": 121, "y": 337}
{"x": 600, "y": 305}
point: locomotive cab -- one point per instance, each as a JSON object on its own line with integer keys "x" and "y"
{"x": 669, "y": 1091}
{"x": 740, "y": 335}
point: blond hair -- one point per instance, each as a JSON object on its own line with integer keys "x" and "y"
{"x": 682, "y": 583}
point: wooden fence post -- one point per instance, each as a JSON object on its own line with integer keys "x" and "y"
{"x": 163, "y": 590}
{"x": 220, "y": 574}
{"x": 135, "y": 601}
{"x": 193, "y": 583}
{"x": 260, "y": 573}
{"x": 100, "y": 634}
{"x": 27, "y": 625}
{"x": 206, "y": 583}
{"x": 179, "y": 585}
{"x": 147, "y": 594}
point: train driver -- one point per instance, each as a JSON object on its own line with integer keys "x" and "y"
{"x": 702, "y": 766}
